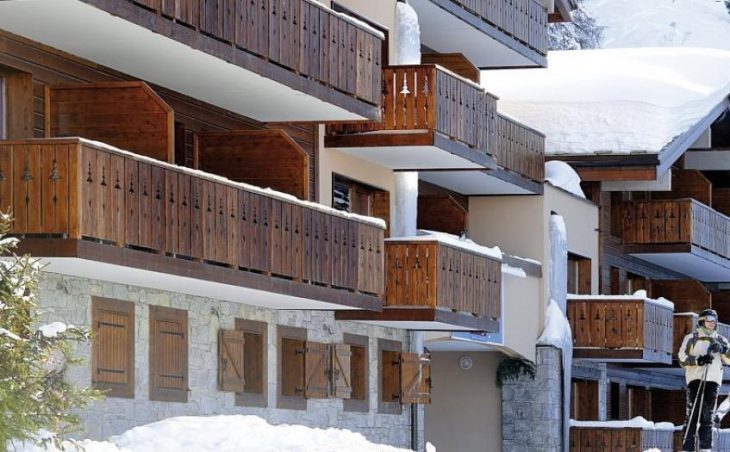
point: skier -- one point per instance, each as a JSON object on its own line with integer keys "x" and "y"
{"x": 702, "y": 355}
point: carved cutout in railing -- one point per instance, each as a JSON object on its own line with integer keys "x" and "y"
{"x": 70, "y": 188}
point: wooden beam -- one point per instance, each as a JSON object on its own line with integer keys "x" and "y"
{"x": 616, "y": 173}
{"x": 461, "y": 321}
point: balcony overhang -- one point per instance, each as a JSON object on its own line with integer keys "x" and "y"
{"x": 687, "y": 259}
{"x": 412, "y": 150}
{"x": 483, "y": 182}
{"x": 145, "y": 45}
{"x": 421, "y": 319}
{"x": 447, "y": 27}
{"x": 89, "y": 259}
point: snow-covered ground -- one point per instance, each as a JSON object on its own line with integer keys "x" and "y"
{"x": 228, "y": 433}
{"x": 660, "y": 23}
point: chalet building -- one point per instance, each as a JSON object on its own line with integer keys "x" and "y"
{"x": 647, "y": 130}
{"x": 255, "y": 205}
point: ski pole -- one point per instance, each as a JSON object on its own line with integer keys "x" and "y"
{"x": 694, "y": 407}
{"x": 703, "y": 383}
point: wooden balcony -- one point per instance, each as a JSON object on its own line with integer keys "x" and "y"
{"x": 73, "y": 198}
{"x": 683, "y": 235}
{"x": 434, "y": 120}
{"x": 491, "y": 33}
{"x": 272, "y": 60}
{"x": 620, "y": 329}
{"x": 432, "y": 286}
{"x": 623, "y": 439}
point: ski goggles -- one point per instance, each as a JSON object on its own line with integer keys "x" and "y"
{"x": 711, "y": 318}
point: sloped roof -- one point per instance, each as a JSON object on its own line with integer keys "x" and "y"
{"x": 616, "y": 101}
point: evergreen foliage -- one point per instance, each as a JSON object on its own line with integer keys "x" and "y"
{"x": 34, "y": 396}
{"x": 727, "y": 5}
{"x": 513, "y": 368}
{"x": 582, "y": 33}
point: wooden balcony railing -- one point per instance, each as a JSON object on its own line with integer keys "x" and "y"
{"x": 620, "y": 439}
{"x": 300, "y": 35}
{"x": 432, "y": 274}
{"x": 75, "y": 189}
{"x": 520, "y": 149}
{"x": 682, "y": 221}
{"x": 525, "y": 20}
{"x": 427, "y": 97}
{"x": 620, "y": 328}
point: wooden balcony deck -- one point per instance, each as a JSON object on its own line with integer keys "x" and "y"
{"x": 431, "y": 283}
{"x": 75, "y": 190}
{"x": 683, "y": 235}
{"x": 510, "y": 32}
{"x": 591, "y": 439}
{"x": 620, "y": 329}
{"x": 435, "y": 120}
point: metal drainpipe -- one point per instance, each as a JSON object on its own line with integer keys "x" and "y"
{"x": 416, "y": 347}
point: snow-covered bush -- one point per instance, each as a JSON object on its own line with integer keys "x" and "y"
{"x": 582, "y": 33}
{"x": 34, "y": 395}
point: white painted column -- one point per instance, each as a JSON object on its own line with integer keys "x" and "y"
{"x": 405, "y": 204}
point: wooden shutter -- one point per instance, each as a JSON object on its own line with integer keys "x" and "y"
{"x": 415, "y": 378}
{"x": 231, "y": 350}
{"x": 112, "y": 361}
{"x": 390, "y": 376}
{"x": 292, "y": 367}
{"x": 341, "y": 374}
{"x": 381, "y": 208}
{"x": 254, "y": 364}
{"x": 168, "y": 354}
{"x": 316, "y": 369}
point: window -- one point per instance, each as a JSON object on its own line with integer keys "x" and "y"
{"x": 579, "y": 274}
{"x": 404, "y": 377}
{"x": 168, "y": 354}
{"x": 112, "y": 351}
{"x": 362, "y": 199}
{"x": 359, "y": 374}
{"x": 310, "y": 370}
{"x": 254, "y": 364}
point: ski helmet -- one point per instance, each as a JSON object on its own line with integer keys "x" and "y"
{"x": 705, "y": 315}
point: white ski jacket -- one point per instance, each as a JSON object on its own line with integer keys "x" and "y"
{"x": 695, "y": 345}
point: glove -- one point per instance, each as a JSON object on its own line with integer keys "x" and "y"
{"x": 716, "y": 421}
{"x": 717, "y": 347}
{"x": 705, "y": 360}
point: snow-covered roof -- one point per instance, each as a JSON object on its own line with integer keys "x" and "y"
{"x": 614, "y": 101}
{"x": 638, "y": 295}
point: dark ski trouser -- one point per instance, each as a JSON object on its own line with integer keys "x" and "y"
{"x": 704, "y": 412}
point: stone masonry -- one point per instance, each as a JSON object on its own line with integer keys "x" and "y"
{"x": 532, "y": 409}
{"x": 68, "y": 299}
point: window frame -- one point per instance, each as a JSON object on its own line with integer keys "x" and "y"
{"x": 363, "y": 342}
{"x": 253, "y": 327}
{"x": 98, "y": 304}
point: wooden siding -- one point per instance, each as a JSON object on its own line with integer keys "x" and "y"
{"x": 442, "y": 213}
{"x": 424, "y": 97}
{"x": 688, "y": 295}
{"x": 620, "y": 328}
{"x": 128, "y": 115}
{"x": 299, "y": 35}
{"x": 682, "y": 221}
{"x": 265, "y": 158}
{"x": 590, "y": 439}
{"x": 455, "y": 62}
{"x": 524, "y": 20}
{"x": 434, "y": 275}
{"x": 78, "y": 190}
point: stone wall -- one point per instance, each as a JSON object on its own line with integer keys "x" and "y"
{"x": 532, "y": 418}
{"x": 68, "y": 299}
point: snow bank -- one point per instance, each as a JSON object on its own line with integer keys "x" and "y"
{"x": 637, "y": 422}
{"x": 229, "y": 433}
{"x": 561, "y": 175}
{"x": 557, "y": 329}
{"x": 661, "y": 23}
{"x": 639, "y": 294}
{"x": 450, "y": 239}
{"x": 614, "y": 100}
